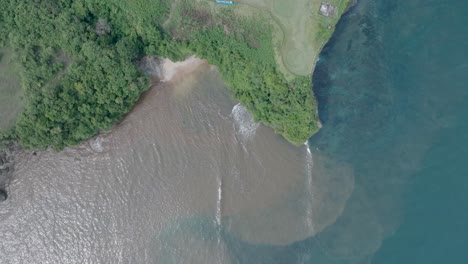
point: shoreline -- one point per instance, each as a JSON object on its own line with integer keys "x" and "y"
{"x": 7, "y": 164}
{"x": 172, "y": 70}
{"x": 240, "y": 59}
{"x": 162, "y": 70}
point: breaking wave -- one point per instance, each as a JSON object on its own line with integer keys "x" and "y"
{"x": 244, "y": 122}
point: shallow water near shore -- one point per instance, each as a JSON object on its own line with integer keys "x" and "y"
{"x": 187, "y": 172}
{"x": 188, "y": 177}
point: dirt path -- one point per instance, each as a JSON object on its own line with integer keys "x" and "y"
{"x": 173, "y": 7}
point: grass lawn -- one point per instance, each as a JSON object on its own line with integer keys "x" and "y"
{"x": 299, "y": 30}
{"x": 11, "y": 93}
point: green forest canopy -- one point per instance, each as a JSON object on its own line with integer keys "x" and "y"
{"x": 77, "y": 62}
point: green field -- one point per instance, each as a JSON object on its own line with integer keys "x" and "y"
{"x": 11, "y": 92}
{"x": 78, "y": 60}
{"x": 299, "y": 30}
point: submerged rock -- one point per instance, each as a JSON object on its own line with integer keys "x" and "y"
{"x": 3, "y": 195}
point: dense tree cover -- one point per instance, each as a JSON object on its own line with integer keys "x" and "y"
{"x": 78, "y": 64}
{"x": 242, "y": 50}
{"x": 77, "y": 81}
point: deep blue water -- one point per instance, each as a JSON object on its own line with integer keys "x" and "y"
{"x": 392, "y": 86}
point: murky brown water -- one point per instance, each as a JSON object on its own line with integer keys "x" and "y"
{"x": 186, "y": 166}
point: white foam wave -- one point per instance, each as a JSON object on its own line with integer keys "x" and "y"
{"x": 219, "y": 202}
{"x": 244, "y": 122}
{"x": 97, "y": 144}
{"x": 309, "y": 210}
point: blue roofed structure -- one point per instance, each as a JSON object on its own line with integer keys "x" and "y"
{"x": 224, "y": 2}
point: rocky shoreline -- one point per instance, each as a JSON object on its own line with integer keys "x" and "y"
{"x": 7, "y": 162}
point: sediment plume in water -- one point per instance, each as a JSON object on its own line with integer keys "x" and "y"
{"x": 177, "y": 160}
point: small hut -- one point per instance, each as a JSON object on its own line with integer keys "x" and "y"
{"x": 327, "y": 9}
{"x": 221, "y": 2}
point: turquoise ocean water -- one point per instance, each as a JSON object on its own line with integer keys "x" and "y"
{"x": 392, "y": 86}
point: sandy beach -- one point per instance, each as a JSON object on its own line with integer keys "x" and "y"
{"x": 165, "y": 70}
{"x": 172, "y": 69}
